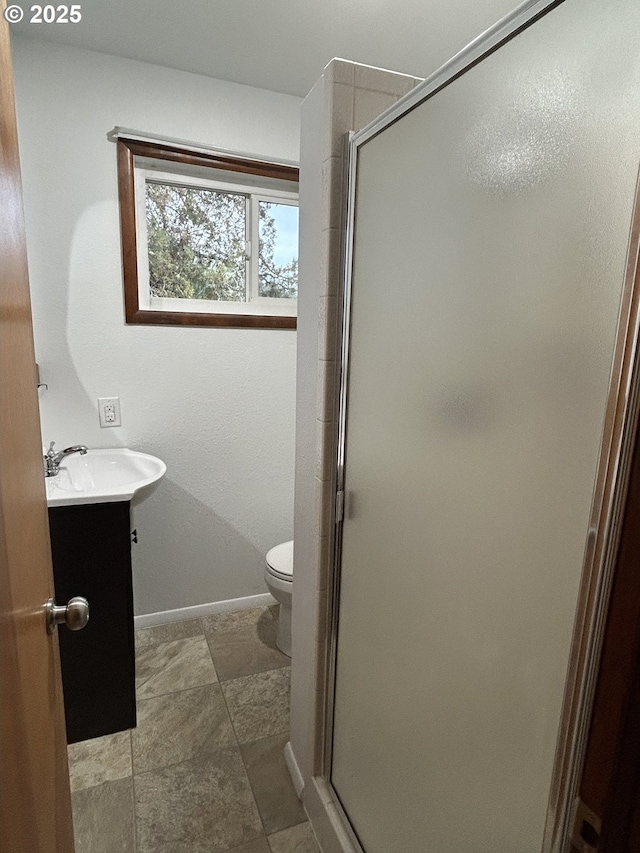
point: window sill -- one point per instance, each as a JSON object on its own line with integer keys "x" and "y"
{"x": 178, "y": 318}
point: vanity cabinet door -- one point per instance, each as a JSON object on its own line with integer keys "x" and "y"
{"x": 91, "y": 547}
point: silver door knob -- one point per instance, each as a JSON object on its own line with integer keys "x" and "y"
{"x": 75, "y": 615}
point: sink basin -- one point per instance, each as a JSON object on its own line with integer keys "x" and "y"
{"x": 105, "y": 476}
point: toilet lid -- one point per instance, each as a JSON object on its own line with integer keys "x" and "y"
{"x": 280, "y": 560}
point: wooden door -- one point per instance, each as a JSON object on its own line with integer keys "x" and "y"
{"x": 35, "y": 805}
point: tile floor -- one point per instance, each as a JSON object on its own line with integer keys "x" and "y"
{"x": 204, "y": 770}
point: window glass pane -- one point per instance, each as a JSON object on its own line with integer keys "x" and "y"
{"x": 196, "y": 241}
{"x": 278, "y": 250}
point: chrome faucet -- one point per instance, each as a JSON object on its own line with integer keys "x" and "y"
{"x": 52, "y": 460}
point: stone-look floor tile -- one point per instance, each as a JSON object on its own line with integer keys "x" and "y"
{"x": 259, "y": 846}
{"x": 273, "y": 789}
{"x": 230, "y": 621}
{"x": 296, "y": 839}
{"x": 259, "y": 704}
{"x": 180, "y": 726}
{"x": 243, "y": 642}
{"x": 201, "y": 806}
{"x": 102, "y": 759}
{"x": 147, "y": 637}
{"x": 103, "y": 818}
{"x": 173, "y": 666}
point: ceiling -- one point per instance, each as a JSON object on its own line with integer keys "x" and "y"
{"x": 281, "y": 45}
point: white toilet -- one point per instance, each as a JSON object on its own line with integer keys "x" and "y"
{"x": 278, "y": 574}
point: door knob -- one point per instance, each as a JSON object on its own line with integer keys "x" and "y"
{"x": 74, "y": 615}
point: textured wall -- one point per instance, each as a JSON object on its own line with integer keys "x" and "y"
{"x": 218, "y": 405}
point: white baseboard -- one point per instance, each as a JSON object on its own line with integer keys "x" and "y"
{"x": 147, "y": 620}
{"x": 294, "y": 769}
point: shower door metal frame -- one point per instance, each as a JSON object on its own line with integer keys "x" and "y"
{"x": 613, "y": 470}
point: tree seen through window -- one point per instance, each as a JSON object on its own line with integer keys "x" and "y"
{"x": 196, "y": 245}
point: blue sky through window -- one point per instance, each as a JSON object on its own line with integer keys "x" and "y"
{"x": 286, "y": 220}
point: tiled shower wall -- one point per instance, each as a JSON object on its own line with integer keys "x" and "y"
{"x": 347, "y": 97}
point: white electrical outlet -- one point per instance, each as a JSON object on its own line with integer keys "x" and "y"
{"x": 109, "y": 411}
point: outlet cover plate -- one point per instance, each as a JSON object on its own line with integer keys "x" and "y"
{"x": 109, "y": 411}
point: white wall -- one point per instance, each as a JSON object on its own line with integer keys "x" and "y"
{"x": 218, "y": 405}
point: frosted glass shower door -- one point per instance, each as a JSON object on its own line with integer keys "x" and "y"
{"x": 490, "y": 241}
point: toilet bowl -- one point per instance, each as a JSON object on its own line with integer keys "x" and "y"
{"x": 278, "y": 574}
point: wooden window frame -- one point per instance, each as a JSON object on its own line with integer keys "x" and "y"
{"x": 127, "y": 150}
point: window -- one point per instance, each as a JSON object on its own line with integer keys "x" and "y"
{"x": 207, "y": 240}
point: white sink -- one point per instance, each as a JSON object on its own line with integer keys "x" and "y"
{"x": 105, "y": 476}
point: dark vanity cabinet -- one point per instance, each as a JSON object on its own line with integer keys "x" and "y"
{"x": 91, "y": 548}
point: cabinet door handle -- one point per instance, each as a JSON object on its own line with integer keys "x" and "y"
{"x": 74, "y": 615}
